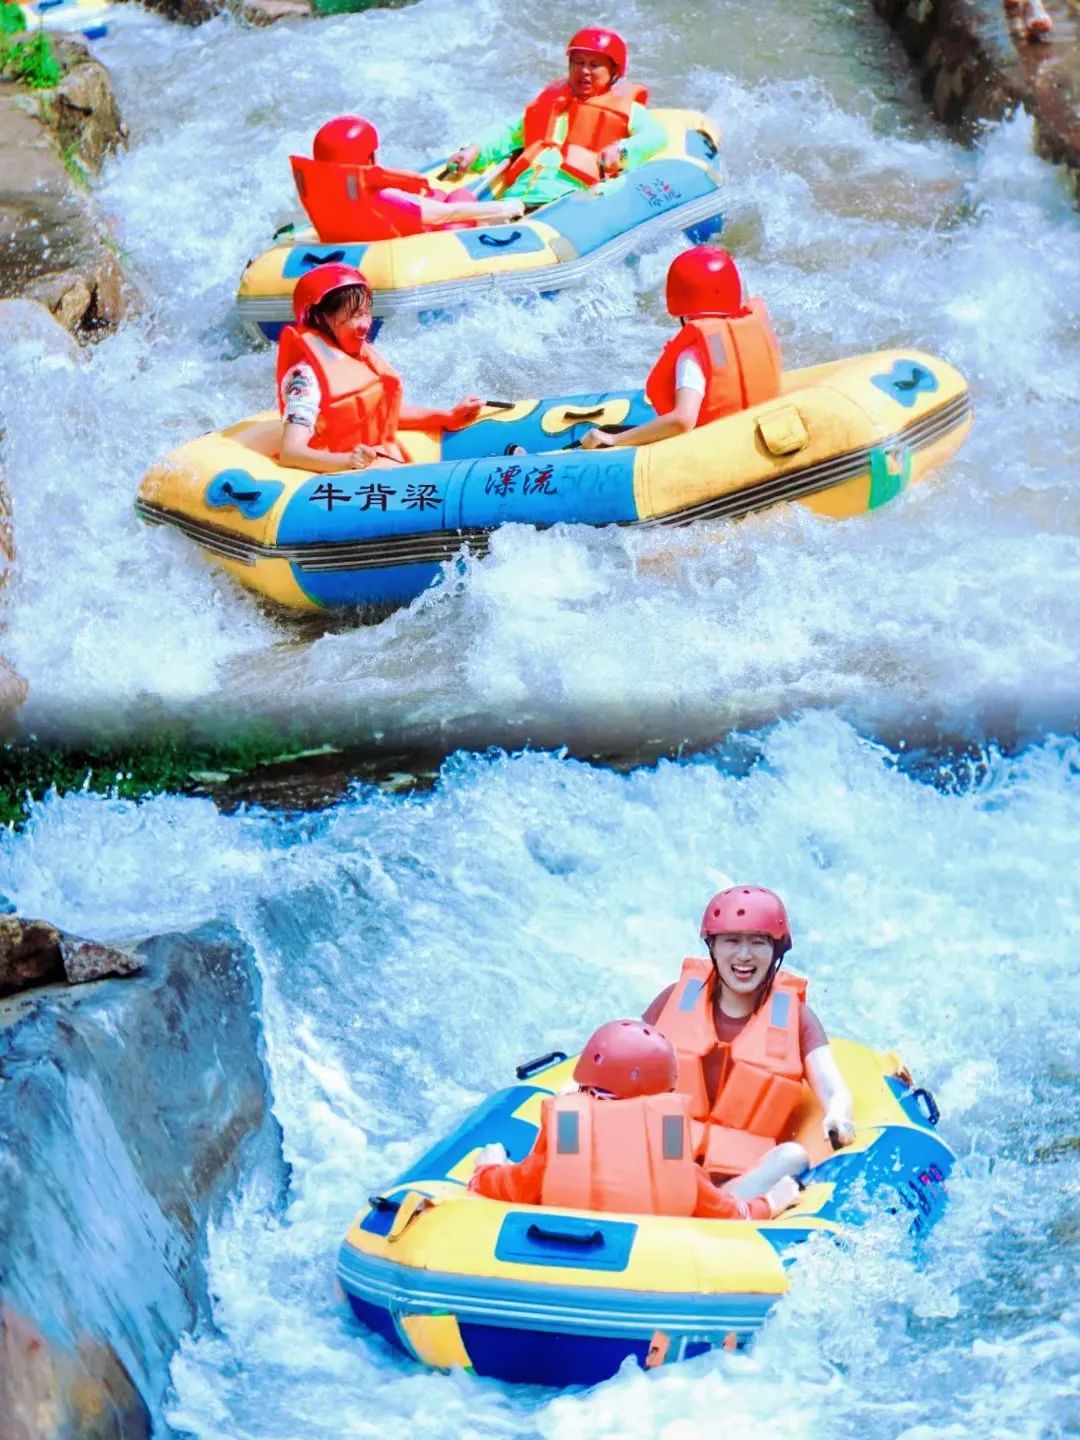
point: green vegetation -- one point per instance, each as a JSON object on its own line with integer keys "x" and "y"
{"x": 30, "y": 771}
{"x": 341, "y": 7}
{"x": 11, "y": 20}
{"x": 30, "y": 60}
{"x": 70, "y": 157}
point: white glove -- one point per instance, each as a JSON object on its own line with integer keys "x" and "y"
{"x": 838, "y": 1127}
{"x": 490, "y": 1155}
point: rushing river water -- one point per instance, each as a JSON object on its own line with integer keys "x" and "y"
{"x": 862, "y": 224}
{"x": 413, "y": 950}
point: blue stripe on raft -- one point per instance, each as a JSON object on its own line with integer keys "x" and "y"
{"x": 544, "y": 1357}
{"x": 304, "y": 257}
{"x": 493, "y": 1122}
{"x": 894, "y": 1166}
{"x": 360, "y": 589}
{"x": 568, "y": 1308}
{"x": 591, "y": 218}
{"x": 491, "y": 437}
{"x": 581, "y": 487}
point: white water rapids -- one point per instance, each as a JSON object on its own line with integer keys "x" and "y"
{"x": 413, "y": 950}
{"x": 862, "y": 224}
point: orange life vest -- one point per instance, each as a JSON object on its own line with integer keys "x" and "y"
{"x": 739, "y": 355}
{"x": 763, "y": 1086}
{"x": 591, "y": 125}
{"x": 343, "y": 201}
{"x": 361, "y": 398}
{"x": 630, "y": 1156}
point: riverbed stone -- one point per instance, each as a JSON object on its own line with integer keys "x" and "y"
{"x": 86, "y": 960}
{"x": 54, "y": 246}
{"x": 128, "y": 1114}
{"x": 29, "y": 954}
{"x": 975, "y": 63}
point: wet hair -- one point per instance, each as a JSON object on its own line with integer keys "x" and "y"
{"x": 350, "y": 299}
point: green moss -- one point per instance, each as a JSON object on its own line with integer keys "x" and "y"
{"x": 70, "y": 157}
{"x": 29, "y": 771}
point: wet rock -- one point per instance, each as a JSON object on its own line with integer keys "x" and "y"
{"x": 33, "y": 952}
{"x": 29, "y": 954}
{"x": 54, "y": 247}
{"x": 85, "y": 960}
{"x": 47, "y": 1391}
{"x": 975, "y": 63}
{"x": 128, "y": 1114}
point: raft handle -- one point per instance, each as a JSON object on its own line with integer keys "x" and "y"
{"x": 933, "y": 1114}
{"x": 501, "y": 404}
{"x": 531, "y": 1067}
{"x": 575, "y": 415}
{"x": 587, "y": 1240}
{"x": 384, "y": 1203}
{"x": 711, "y": 150}
{"x": 487, "y": 238}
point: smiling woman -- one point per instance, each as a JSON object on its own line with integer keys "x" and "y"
{"x": 746, "y": 1039}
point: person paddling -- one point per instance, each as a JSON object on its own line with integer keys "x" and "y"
{"x": 592, "y": 125}
{"x": 341, "y": 404}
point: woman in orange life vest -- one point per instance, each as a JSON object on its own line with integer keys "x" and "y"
{"x": 746, "y": 1040}
{"x": 621, "y": 1142}
{"x": 724, "y": 359}
{"x": 341, "y": 403}
{"x": 349, "y": 197}
{"x": 577, "y": 131}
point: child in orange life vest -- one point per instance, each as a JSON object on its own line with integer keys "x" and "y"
{"x": 621, "y": 1143}
{"x": 577, "y": 131}
{"x": 341, "y": 403}
{"x": 746, "y": 1040}
{"x": 724, "y": 359}
{"x": 349, "y": 197}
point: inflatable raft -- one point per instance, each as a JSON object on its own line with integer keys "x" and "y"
{"x": 552, "y": 248}
{"x": 88, "y": 18}
{"x": 554, "y": 1297}
{"x": 842, "y": 438}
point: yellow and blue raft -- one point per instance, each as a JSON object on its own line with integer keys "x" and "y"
{"x": 552, "y": 248}
{"x": 88, "y": 18}
{"x": 841, "y": 438}
{"x": 546, "y": 1296}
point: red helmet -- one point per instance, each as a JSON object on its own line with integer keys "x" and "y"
{"x": 314, "y": 287}
{"x": 347, "y": 140}
{"x": 749, "y": 908}
{"x": 602, "y": 42}
{"x": 627, "y": 1058}
{"x": 704, "y": 281}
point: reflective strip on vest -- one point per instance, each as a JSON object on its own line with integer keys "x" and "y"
{"x": 674, "y": 1133}
{"x": 690, "y": 994}
{"x": 568, "y": 1134}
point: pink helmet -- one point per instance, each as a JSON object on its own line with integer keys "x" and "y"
{"x": 314, "y": 287}
{"x": 602, "y": 42}
{"x": 346, "y": 140}
{"x": 627, "y": 1058}
{"x": 747, "y": 908}
{"x": 704, "y": 280}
